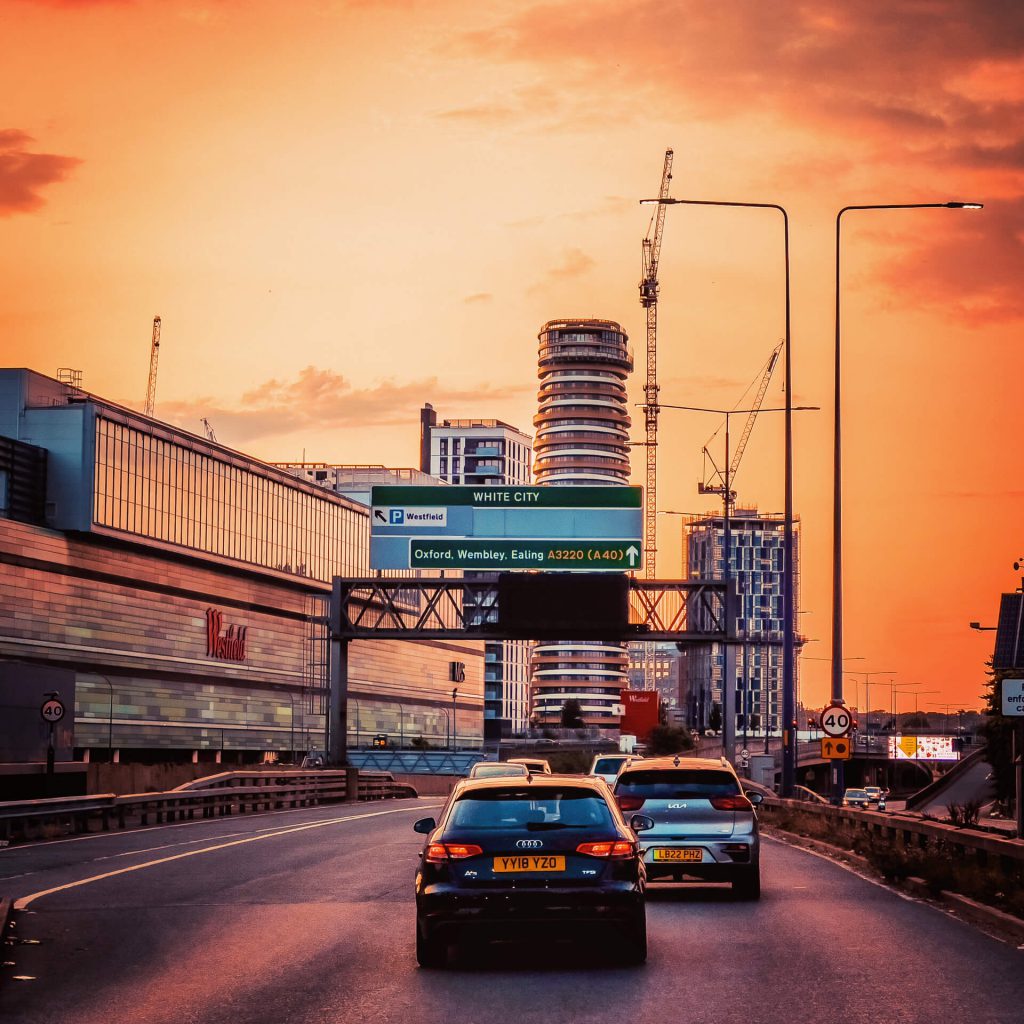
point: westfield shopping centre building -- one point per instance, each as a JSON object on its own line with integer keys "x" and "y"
{"x": 164, "y": 585}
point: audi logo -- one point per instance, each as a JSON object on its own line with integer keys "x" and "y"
{"x": 529, "y": 844}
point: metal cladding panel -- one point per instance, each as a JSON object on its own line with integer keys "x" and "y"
{"x": 1009, "y": 651}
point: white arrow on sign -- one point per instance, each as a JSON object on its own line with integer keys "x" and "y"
{"x": 633, "y": 552}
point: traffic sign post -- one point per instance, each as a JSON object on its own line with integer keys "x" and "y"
{"x": 51, "y": 712}
{"x": 836, "y": 720}
{"x": 836, "y": 749}
{"x": 1011, "y": 703}
{"x": 593, "y": 529}
{"x": 592, "y": 555}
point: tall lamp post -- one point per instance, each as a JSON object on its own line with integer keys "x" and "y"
{"x": 837, "y": 490}
{"x": 455, "y": 733}
{"x": 788, "y": 617}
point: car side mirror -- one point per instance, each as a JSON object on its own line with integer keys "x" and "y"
{"x": 425, "y": 825}
{"x": 641, "y": 822}
{"x": 754, "y": 797}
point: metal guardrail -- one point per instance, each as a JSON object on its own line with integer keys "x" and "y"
{"x": 229, "y": 793}
{"x": 963, "y": 847}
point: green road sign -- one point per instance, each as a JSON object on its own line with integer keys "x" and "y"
{"x": 509, "y": 497}
{"x": 587, "y": 555}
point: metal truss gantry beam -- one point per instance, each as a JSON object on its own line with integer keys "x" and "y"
{"x": 410, "y": 608}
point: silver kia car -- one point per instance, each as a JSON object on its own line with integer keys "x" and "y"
{"x": 705, "y": 826}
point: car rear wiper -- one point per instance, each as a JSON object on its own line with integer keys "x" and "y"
{"x": 544, "y": 826}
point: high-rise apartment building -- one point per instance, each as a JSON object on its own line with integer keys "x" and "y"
{"x": 582, "y": 426}
{"x": 757, "y": 558}
{"x": 486, "y": 453}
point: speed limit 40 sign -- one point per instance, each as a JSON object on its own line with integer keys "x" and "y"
{"x": 836, "y": 720}
{"x": 52, "y": 711}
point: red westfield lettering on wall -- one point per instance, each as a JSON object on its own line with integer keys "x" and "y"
{"x": 229, "y": 645}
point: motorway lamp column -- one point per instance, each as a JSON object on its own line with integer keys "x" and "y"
{"x": 788, "y": 613}
{"x": 837, "y": 493}
{"x": 110, "y": 719}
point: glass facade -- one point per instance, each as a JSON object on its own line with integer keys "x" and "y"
{"x": 154, "y": 488}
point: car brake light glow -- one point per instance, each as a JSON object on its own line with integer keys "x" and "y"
{"x": 735, "y": 802}
{"x": 629, "y": 803}
{"x": 610, "y": 848}
{"x": 438, "y": 853}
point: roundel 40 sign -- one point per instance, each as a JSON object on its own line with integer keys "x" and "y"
{"x": 836, "y": 720}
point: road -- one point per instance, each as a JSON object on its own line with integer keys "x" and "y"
{"x": 307, "y": 916}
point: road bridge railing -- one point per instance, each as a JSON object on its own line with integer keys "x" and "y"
{"x": 224, "y": 795}
{"x": 973, "y": 863}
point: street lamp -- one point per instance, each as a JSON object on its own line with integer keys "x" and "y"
{"x": 867, "y": 690}
{"x": 978, "y": 626}
{"x": 837, "y": 515}
{"x": 728, "y": 692}
{"x": 789, "y": 752}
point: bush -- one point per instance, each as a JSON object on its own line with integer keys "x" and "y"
{"x": 668, "y": 739}
{"x": 965, "y": 814}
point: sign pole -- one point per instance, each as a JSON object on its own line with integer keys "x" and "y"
{"x": 1019, "y": 773}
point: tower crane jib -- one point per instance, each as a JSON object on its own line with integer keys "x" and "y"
{"x": 154, "y": 356}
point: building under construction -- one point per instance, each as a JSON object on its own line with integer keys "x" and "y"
{"x": 756, "y": 562}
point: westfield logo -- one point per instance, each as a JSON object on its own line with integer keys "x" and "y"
{"x": 229, "y": 644}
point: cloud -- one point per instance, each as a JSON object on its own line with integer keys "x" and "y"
{"x": 970, "y": 264}
{"x": 574, "y": 263}
{"x": 24, "y": 174}
{"x": 478, "y": 297}
{"x": 320, "y": 400}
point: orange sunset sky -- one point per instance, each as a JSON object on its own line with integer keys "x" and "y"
{"x": 344, "y": 209}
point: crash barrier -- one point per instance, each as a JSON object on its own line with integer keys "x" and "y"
{"x": 905, "y": 844}
{"x": 210, "y": 797}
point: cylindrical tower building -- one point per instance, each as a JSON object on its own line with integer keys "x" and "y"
{"x": 582, "y": 430}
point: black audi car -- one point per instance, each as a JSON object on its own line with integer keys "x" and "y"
{"x": 517, "y": 858}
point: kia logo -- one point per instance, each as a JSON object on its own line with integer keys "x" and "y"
{"x": 529, "y": 844}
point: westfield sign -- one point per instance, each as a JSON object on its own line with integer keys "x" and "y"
{"x": 227, "y": 644}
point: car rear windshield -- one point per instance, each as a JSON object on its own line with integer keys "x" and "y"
{"x": 498, "y": 770}
{"x": 534, "y": 809}
{"x": 607, "y": 765}
{"x": 664, "y": 785}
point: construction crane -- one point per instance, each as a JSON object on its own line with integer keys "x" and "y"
{"x": 208, "y": 430}
{"x": 649, "y": 300}
{"x": 154, "y": 356}
{"x": 714, "y": 481}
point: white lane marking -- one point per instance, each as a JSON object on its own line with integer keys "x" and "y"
{"x": 22, "y": 903}
{"x": 151, "y": 828}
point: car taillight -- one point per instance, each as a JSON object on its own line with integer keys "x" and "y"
{"x": 610, "y": 848}
{"x": 736, "y": 802}
{"x": 629, "y": 803}
{"x": 438, "y": 853}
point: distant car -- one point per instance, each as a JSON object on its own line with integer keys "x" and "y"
{"x": 497, "y": 770}
{"x": 606, "y": 766}
{"x": 704, "y": 825}
{"x": 856, "y": 798}
{"x": 534, "y": 765}
{"x": 530, "y": 857}
{"x": 875, "y": 794}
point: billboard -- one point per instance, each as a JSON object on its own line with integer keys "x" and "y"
{"x": 922, "y": 748}
{"x": 641, "y": 712}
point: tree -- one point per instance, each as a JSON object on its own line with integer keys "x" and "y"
{"x": 916, "y": 722}
{"x": 998, "y": 735}
{"x": 572, "y": 714}
{"x": 668, "y": 739}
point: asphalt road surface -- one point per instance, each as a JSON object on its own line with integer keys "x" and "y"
{"x": 306, "y": 917}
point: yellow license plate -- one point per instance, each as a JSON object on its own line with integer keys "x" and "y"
{"x": 533, "y": 862}
{"x": 685, "y": 853}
